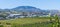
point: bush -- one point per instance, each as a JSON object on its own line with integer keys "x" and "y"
{"x": 1, "y": 25}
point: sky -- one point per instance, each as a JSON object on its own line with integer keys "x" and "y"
{"x": 42, "y": 4}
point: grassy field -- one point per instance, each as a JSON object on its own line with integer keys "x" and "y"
{"x": 28, "y": 22}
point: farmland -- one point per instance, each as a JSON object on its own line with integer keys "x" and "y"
{"x": 28, "y": 22}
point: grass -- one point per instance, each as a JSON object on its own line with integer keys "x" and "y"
{"x": 28, "y": 22}
{"x": 25, "y": 20}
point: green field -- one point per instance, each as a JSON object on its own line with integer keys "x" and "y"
{"x": 27, "y": 22}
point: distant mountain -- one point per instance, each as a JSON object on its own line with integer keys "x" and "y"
{"x": 26, "y": 9}
{"x": 53, "y": 12}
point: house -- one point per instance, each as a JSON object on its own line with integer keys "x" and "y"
{"x": 1, "y": 18}
{"x": 12, "y": 16}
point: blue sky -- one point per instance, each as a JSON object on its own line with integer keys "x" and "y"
{"x": 42, "y": 4}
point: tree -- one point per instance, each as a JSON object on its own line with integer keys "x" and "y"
{"x": 57, "y": 20}
{"x": 56, "y": 23}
